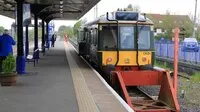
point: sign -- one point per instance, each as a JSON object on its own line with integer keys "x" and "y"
{"x": 26, "y": 14}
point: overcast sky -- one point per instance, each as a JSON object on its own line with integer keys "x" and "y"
{"x": 183, "y": 7}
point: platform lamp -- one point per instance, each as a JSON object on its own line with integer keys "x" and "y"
{"x": 61, "y": 8}
{"x": 61, "y": 2}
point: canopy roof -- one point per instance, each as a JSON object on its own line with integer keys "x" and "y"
{"x": 51, "y": 9}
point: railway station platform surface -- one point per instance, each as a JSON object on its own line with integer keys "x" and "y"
{"x": 60, "y": 82}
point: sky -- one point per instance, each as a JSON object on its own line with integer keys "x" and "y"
{"x": 182, "y": 7}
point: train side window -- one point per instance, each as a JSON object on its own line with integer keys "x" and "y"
{"x": 95, "y": 36}
{"x": 92, "y": 37}
{"x": 80, "y": 36}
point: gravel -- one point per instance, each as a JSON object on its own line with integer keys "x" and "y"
{"x": 191, "y": 100}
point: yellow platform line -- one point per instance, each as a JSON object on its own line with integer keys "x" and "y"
{"x": 84, "y": 97}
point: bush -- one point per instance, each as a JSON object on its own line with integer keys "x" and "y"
{"x": 196, "y": 77}
{"x": 159, "y": 36}
{"x": 8, "y": 64}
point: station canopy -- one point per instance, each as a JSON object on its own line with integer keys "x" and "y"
{"x": 51, "y": 9}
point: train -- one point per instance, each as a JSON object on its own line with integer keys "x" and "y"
{"x": 121, "y": 44}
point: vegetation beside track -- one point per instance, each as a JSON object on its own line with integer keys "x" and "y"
{"x": 188, "y": 91}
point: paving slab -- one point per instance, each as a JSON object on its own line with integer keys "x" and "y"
{"x": 48, "y": 87}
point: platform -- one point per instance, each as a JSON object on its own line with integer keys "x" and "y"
{"x": 60, "y": 82}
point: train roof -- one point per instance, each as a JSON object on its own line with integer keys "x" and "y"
{"x": 122, "y": 17}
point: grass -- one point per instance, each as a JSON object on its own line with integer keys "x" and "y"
{"x": 192, "y": 96}
{"x": 196, "y": 77}
{"x": 191, "y": 88}
{"x": 161, "y": 65}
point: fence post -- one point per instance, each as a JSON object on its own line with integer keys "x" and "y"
{"x": 160, "y": 49}
{"x": 199, "y": 54}
{"x": 184, "y": 55}
{"x": 195, "y": 57}
{"x": 167, "y": 50}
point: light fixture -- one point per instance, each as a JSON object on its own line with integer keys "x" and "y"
{"x": 61, "y": 6}
{"x": 61, "y": 9}
{"x": 61, "y": 2}
{"x": 8, "y": 5}
{"x": 1, "y": 1}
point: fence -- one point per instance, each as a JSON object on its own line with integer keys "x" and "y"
{"x": 166, "y": 49}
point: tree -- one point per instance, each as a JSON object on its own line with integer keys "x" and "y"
{"x": 198, "y": 34}
{"x": 188, "y": 26}
{"x": 159, "y": 36}
{"x": 168, "y": 26}
{"x": 31, "y": 34}
{"x": 1, "y": 29}
{"x": 136, "y": 8}
{"x": 61, "y": 30}
{"x": 69, "y": 31}
{"x": 77, "y": 26}
{"x": 130, "y": 7}
{"x": 65, "y": 30}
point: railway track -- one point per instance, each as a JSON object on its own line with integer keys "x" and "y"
{"x": 183, "y": 66}
{"x": 143, "y": 101}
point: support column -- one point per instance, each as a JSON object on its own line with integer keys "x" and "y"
{"x": 43, "y": 38}
{"x": 27, "y": 42}
{"x": 47, "y": 35}
{"x": 20, "y": 60}
{"x": 36, "y": 50}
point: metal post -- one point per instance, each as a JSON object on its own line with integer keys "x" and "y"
{"x": 176, "y": 46}
{"x": 195, "y": 13}
{"x": 47, "y": 35}
{"x": 20, "y": 60}
{"x": 43, "y": 38}
{"x": 36, "y": 50}
{"x": 195, "y": 57}
{"x": 27, "y": 42}
{"x": 160, "y": 49}
{"x": 167, "y": 50}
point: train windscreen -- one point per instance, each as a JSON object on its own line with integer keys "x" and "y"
{"x": 108, "y": 37}
{"x": 144, "y": 37}
{"x": 126, "y": 37}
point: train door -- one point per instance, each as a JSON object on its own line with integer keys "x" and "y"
{"x": 81, "y": 42}
{"x": 88, "y": 42}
